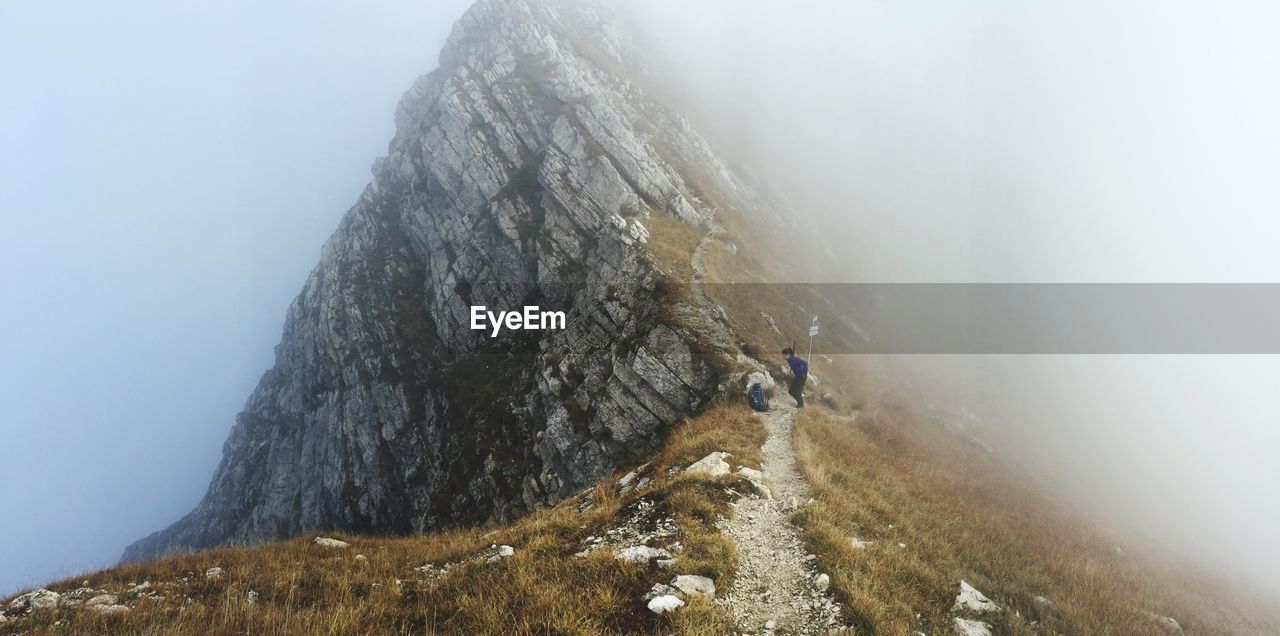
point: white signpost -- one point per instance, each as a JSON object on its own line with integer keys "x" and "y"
{"x": 813, "y": 331}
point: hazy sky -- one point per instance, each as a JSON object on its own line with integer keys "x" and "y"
{"x": 998, "y": 141}
{"x": 169, "y": 173}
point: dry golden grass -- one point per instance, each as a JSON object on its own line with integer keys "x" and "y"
{"x": 886, "y": 479}
{"x": 671, "y": 245}
{"x": 544, "y": 589}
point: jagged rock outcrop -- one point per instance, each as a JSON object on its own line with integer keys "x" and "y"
{"x": 522, "y": 172}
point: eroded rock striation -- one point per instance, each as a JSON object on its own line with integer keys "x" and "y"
{"x": 524, "y": 171}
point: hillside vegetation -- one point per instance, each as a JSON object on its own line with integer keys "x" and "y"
{"x": 380, "y": 585}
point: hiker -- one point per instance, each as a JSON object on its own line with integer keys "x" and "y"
{"x": 799, "y": 373}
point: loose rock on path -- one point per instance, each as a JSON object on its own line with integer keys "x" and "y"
{"x": 776, "y": 587}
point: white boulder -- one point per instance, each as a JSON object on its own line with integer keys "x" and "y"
{"x": 757, "y": 481}
{"x": 660, "y": 589}
{"x": 664, "y": 604}
{"x": 326, "y": 542}
{"x": 213, "y": 573}
{"x": 34, "y": 600}
{"x": 822, "y": 582}
{"x": 713, "y": 465}
{"x": 641, "y": 554}
{"x": 505, "y": 551}
{"x": 111, "y": 609}
{"x": 692, "y": 584}
{"x": 966, "y": 627}
{"x": 971, "y": 600}
{"x": 101, "y": 599}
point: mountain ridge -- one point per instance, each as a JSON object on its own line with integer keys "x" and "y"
{"x": 523, "y": 171}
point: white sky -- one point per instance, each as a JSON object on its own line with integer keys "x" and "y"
{"x": 170, "y": 171}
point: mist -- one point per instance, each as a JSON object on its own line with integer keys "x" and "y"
{"x": 169, "y": 176}
{"x": 998, "y": 142}
{"x": 171, "y": 173}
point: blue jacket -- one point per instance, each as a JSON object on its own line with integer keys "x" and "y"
{"x": 799, "y": 367}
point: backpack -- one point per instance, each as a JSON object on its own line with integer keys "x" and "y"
{"x": 758, "y": 398}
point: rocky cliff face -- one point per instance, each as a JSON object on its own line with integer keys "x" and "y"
{"x": 523, "y": 171}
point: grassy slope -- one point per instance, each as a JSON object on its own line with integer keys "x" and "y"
{"x": 884, "y": 478}
{"x": 959, "y": 512}
{"x": 307, "y": 589}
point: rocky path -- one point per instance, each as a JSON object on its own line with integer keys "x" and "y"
{"x": 777, "y": 589}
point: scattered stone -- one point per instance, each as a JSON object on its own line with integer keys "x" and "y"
{"x": 771, "y": 625}
{"x": 361, "y": 557}
{"x": 101, "y": 599}
{"x": 665, "y": 564}
{"x": 822, "y": 582}
{"x": 1044, "y": 602}
{"x": 506, "y": 551}
{"x": 111, "y": 609}
{"x": 902, "y": 546}
{"x": 757, "y": 481}
{"x": 693, "y": 584}
{"x": 1167, "y": 623}
{"x": 660, "y": 589}
{"x": 971, "y": 600}
{"x": 34, "y": 600}
{"x": 331, "y": 543}
{"x": 790, "y": 503}
{"x": 626, "y": 480}
{"x": 966, "y": 627}
{"x": 641, "y": 554}
{"x": 664, "y": 604}
{"x": 252, "y": 597}
{"x": 713, "y": 465}
{"x": 859, "y": 544}
{"x": 213, "y": 573}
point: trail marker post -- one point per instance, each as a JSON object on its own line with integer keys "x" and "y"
{"x": 813, "y": 331}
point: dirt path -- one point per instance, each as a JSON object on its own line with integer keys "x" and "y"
{"x": 775, "y": 582}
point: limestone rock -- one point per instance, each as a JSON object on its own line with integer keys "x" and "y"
{"x": 212, "y": 573}
{"x": 692, "y": 584}
{"x": 101, "y": 599}
{"x": 822, "y": 582}
{"x": 660, "y": 589}
{"x": 326, "y": 542}
{"x": 966, "y": 627}
{"x": 971, "y": 600}
{"x": 641, "y": 554}
{"x": 1167, "y": 623}
{"x": 664, "y": 604}
{"x": 713, "y": 465}
{"x": 32, "y": 601}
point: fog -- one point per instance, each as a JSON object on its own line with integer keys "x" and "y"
{"x": 1005, "y": 142}
{"x": 168, "y": 173}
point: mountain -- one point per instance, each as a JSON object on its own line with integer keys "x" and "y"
{"x": 531, "y": 168}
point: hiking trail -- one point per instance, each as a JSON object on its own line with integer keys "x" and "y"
{"x": 776, "y": 589}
